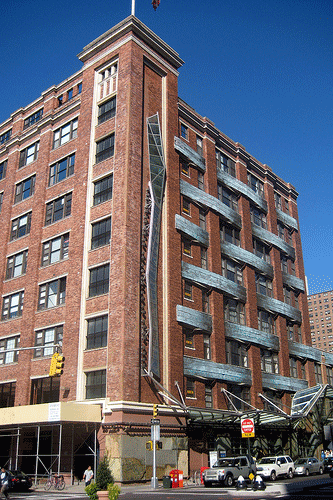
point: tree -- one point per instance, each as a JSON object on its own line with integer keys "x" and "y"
{"x": 103, "y": 475}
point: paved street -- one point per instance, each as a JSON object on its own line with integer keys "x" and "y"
{"x": 312, "y": 488}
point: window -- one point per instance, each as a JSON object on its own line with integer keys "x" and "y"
{"x": 187, "y": 290}
{"x": 103, "y": 189}
{"x": 202, "y": 219}
{"x": 3, "y": 168}
{"x": 52, "y": 294}
{"x": 20, "y": 226}
{"x": 227, "y": 197}
{"x": 97, "y": 332}
{"x": 189, "y": 338}
{"x": 7, "y": 394}
{"x": 62, "y": 169}
{"x": 258, "y": 218}
{"x": 183, "y": 131}
{"x": 1, "y": 200}
{"x": 204, "y": 261}
{"x": 99, "y": 280}
{"x": 205, "y": 301}
{"x": 206, "y": 346}
{"x": 65, "y": 133}
{"x": 29, "y": 154}
{"x": 184, "y": 168}
{"x": 303, "y": 372}
{"x": 293, "y": 367}
{"x": 287, "y": 295}
{"x": 329, "y": 373}
{"x": 242, "y": 399}
{"x": 186, "y": 206}
{"x": 24, "y": 189}
{"x": 107, "y": 110}
{"x": 46, "y": 340}
{"x": 278, "y": 203}
{"x": 16, "y": 265}
{"x": 69, "y": 94}
{"x": 45, "y": 390}
{"x": 187, "y": 247}
{"x": 232, "y": 271}
{"x": 266, "y": 322}
{"x": 224, "y": 163}
{"x": 32, "y": 119}
{"x": 229, "y": 233}
{"x": 190, "y": 387}
{"x": 264, "y": 285}
{"x": 261, "y": 250}
{"x": 7, "y": 344}
{"x": 5, "y": 136}
{"x": 318, "y": 375}
{"x": 12, "y": 305}
{"x": 234, "y": 311}
{"x": 208, "y": 396}
{"x": 96, "y": 384}
{"x": 58, "y": 209}
{"x": 273, "y": 396}
{"x": 60, "y": 100}
{"x": 236, "y": 353}
{"x": 269, "y": 361}
{"x": 256, "y": 185}
{"x": 101, "y": 233}
{"x": 79, "y": 88}
{"x": 107, "y": 80}
{"x": 105, "y": 148}
{"x": 55, "y": 250}
{"x": 199, "y": 146}
{"x": 201, "y": 181}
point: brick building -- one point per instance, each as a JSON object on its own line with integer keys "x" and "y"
{"x": 320, "y": 314}
{"x": 163, "y": 260}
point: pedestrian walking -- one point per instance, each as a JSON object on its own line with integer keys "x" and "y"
{"x": 88, "y": 475}
{"x": 4, "y": 481}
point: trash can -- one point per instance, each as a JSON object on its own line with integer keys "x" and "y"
{"x": 167, "y": 482}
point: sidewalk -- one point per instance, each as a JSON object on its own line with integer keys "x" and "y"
{"x": 272, "y": 488}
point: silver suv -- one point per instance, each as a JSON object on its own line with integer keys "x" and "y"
{"x": 227, "y": 470}
{"x": 271, "y": 467}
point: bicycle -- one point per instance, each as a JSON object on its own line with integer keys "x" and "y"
{"x": 57, "y": 482}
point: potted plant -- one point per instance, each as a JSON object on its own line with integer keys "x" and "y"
{"x": 104, "y": 487}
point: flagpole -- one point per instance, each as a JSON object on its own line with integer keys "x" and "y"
{"x": 133, "y": 7}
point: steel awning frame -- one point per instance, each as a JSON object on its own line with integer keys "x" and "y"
{"x": 266, "y": 418}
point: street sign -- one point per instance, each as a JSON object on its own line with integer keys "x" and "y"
{"x": 247, "y": 427}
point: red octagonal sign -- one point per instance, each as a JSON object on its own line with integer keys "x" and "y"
{"x": 247, "y": 426}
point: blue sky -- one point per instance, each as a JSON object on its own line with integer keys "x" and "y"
{"x": 261, "y": 70}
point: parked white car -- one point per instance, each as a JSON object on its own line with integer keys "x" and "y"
{"x": 272, "y": 467}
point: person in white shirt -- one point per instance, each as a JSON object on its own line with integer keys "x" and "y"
{"x": 4, "y": 480}
{"x": 88, "y": 475}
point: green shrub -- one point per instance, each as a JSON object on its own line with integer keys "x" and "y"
{"x": 103, "y": 475}
{"x": 91, "y": 490}
{"x": 114, "y": 491}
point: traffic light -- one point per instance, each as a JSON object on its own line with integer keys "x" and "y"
{"x": 57, "y": 363}
{"x": 149, "y": 445}
{"x": 155, "y": 411}
{"x": 159, "y": 445}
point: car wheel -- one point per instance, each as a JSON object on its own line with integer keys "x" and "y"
{"x": 207, "y": 484}
{"x": 321, "y": 471}
{"x": 273, "y": 475}
{"x": 229, "y": 481}
{"x": 307, "y": 472}
{"x": 290, "y": 474}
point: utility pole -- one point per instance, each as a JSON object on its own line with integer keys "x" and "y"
{"x": 155, "y": 436}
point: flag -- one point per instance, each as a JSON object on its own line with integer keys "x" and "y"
{"x": 155, "y": 3}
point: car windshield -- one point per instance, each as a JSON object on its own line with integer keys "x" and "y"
{"x": 224, "y": 462}
{"x": 267, "y": 460}
{"x": 300, "y": 461}
{"x": 328, "y": 460}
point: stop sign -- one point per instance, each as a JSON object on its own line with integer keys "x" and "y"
{"x": 247, "y": 426}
